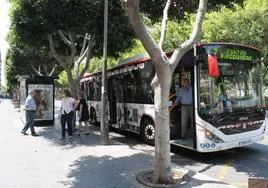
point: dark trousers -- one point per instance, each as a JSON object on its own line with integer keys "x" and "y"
{"x": 186, "y": 114}
{"x": 66, "y": 118}
{"x": 29, "y": 121}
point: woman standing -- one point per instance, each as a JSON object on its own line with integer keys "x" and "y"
{"x": 83, "y": 112}
{"x": 67, "y": 113}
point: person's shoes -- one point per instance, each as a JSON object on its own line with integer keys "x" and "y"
{"x": 61, "y": 138}
{"x": 24, "y": 133}
{"x": 70, "y": 137}
{"x": 184, "y": 138}
{"x": 86, "y": 133}
{"x": 34, "y": 134}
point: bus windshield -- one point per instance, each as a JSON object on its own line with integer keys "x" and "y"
{"x": 237, "y": 89}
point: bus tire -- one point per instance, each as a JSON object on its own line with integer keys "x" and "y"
{"x": 148, "y": 131}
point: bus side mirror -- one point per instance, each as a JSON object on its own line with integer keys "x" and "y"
{"x": 213, "y": 65}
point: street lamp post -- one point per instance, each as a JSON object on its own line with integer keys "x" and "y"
{"x": 104, "y": 127}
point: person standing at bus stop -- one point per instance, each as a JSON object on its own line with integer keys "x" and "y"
{"x": 30, "y": 109}
{"x": 185, "y": 98}
{"x": 67, "y": 113}
{"x": 82, "y": 108}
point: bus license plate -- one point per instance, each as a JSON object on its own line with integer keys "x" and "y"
{"x": 245, "y": 142}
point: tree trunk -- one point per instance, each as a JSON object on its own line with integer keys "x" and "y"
{"x": 164, "y": 69}
{"x": 74, "y": 88}
{"x": 162, "y": 129}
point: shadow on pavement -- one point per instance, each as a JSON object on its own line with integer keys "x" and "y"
{"x": 107, "y": 171}
{"x": 53, "y": 136}
{"x": 117, "y": 172}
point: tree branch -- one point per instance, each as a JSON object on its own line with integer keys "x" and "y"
{"x": 80, "y": 59}
{"x": 89, "y": 51}
{"x": 53, "y": 50}
{"x": 84, "y": 45}
{"x": 194, "y": 37}
{"x": 53, "y": 70}
{"x": 64, "y": 38}
{"x": 91, "y": 43}
{"x": 36, "y": 71}
{"x": 132, "y": 9}
{"x": 73, "y": 50}
{"x": 164, "y": 24}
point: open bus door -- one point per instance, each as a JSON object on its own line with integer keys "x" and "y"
{"x": 175, "y": 110}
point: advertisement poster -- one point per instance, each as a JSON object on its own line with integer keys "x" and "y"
{"x": 44, "y": 101}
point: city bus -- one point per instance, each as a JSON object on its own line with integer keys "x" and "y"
{"x": 219, "y": 123}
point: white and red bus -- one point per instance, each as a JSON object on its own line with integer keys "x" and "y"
{"x": 237, "y": 120}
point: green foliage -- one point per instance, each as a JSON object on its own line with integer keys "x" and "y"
{"x": 176, "y": 33}
{"x": 95, "y": 66}
{"x": 62, "y": 81}
{"x": 11, "y": 72}
{"x": 242, "y": 24}
{"x": 179, "y": 8}
{"x": 137, "y": 48}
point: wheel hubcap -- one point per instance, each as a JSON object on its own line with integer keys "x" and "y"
{"x": 149, "y": 132}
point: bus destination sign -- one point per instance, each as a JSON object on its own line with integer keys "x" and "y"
{"x": 232, "y": 54}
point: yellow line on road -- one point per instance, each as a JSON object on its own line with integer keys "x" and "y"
{"x": 224, "y": 170}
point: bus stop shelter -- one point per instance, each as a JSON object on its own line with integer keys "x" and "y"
{"x": 45, "y": 93}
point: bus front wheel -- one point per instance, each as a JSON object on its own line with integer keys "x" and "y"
{"x": 148, "y": 131}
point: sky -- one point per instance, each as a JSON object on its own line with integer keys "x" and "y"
{"x": 4, "y": 23}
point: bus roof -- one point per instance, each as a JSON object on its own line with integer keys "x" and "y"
{"x": 142, "y": 57}
{"x": 186, "y": 60}
{"x": 226, "y": 43}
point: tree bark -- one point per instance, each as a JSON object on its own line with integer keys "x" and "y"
{"x": 162, "y": 131}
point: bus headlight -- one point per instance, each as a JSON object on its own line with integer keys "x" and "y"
{"x": 213, "y": 137}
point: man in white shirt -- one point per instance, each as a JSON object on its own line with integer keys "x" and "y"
{"x": 30, "y": 107}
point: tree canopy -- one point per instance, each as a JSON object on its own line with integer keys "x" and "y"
{"x": 32, "y": 21}
{"x": 179, "y": 7}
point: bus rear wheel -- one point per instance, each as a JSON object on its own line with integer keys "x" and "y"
{"x": 148, "y": 131}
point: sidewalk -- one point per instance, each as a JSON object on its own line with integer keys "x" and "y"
{"x": 80, "y": 162}
{"x": 117, "y": 165}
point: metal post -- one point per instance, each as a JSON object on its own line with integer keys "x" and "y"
{"x": 104, "y": 127}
